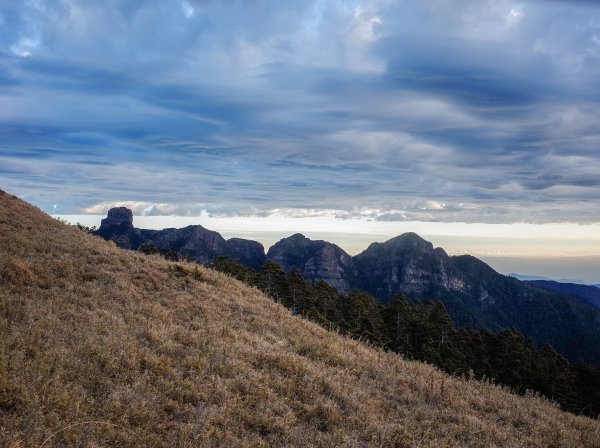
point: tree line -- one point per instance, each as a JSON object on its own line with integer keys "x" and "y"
{"x": 423, "y": 330}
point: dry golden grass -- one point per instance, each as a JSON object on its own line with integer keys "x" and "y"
{"x": 104, "y": 347}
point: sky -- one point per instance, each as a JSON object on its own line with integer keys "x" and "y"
{"x": 474, "y": 123}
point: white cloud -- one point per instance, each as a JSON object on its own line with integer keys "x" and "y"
{"x": 434, "y": 205}
{"x": 188, "y": 10}
{"x": 514, "y": 16}
{"x": 149, "y": 208}
{"x": 25, "y": 46}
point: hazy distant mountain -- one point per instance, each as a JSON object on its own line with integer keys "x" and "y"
{"x": 527, "y": 278}
{"x": 576, "y": 281}
{"x": 588, "y": 293}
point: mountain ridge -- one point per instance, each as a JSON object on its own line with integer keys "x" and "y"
{"x": 473, "y": 292}
{"x": 525, "y": 278}
{"x": 315, "y": 259}
{"x": 590, "y": 294}
{"x": 106, "y": 347}
{"x": 193, "y": 242}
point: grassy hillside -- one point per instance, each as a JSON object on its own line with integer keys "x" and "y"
{"x": 104, "y": 347}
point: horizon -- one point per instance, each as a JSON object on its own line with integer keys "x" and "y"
{"x": 371, "y": 116}
{"x": 354, "y": 237}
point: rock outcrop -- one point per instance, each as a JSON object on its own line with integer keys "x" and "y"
{"x": 406, "y": 263}
{"x": 118, "y": 226}
{"x": 191, "y": 242}
{"x": 118, "y": 217}
{"x": 316, "y": 261}
{"x": 247, "y": 252}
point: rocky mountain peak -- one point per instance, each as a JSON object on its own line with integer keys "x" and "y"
{"x": 192, "y": 242}
{"x": 118, "y": 226}
{"x": 405, "y": 263}
{"x": 409, "y": 240}
{"x": 316, "y": 260}
{"x": 296, "y": 237}
{"x": 118, "y": 216}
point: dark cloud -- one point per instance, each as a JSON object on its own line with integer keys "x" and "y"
{"x": 487, "y": 78}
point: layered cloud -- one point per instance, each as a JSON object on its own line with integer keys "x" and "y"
{"x": 431, "y": 110}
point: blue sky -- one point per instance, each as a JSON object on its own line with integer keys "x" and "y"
{"x": 393, "y": 111}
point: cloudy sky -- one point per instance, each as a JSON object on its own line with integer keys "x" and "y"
{"x": 384, "y": 112}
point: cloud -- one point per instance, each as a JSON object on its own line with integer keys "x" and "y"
{"x": 435, "y": 110}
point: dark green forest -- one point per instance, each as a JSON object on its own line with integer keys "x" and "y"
{"x": 423, "y": 330}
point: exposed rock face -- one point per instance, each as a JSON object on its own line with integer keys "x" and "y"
{"x": 118, "y": 226}
{"x": 247, "y": 252}
{"x": 472, "y": 292}
{"x": 119, "y": 216}
{"x": 316, "y": 260}
{"x": 192, "y": 242}
{"x": 406, "y": 263}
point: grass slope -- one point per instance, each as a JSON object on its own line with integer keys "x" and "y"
{"x": 104, "y": 347}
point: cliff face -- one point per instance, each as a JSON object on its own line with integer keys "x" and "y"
{"x": 118, "y": 226}
{"x": 472, "y": 291}
{"x": 406, "y": 263}
{"x": 316, "y": 260}
{"x": 247, "y": 252}
{"x": 192, "y": 242}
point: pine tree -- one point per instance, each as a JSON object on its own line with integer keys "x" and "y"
{"x": 398, "y": 318}
{"x": 299, "y": 297}
{"x": 272, "y": 281}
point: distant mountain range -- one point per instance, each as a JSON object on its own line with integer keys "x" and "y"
{"x": 527, "y": 278}
{"x": 587, "y": 293}
{"x": 193, "y": 242}
{"x": 472, "y": 292}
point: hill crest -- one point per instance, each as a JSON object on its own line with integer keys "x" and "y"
{"x": 107, "y": 347}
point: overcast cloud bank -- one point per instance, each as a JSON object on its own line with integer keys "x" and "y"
{"x": 384, "y": 110}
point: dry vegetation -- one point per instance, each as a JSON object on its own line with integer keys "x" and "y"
{"x": 103, "y": 347}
